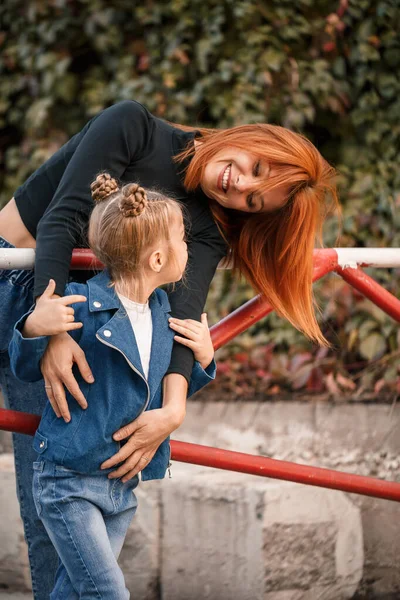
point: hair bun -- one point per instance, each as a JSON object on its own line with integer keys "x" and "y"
{"x": 133, "y": 200}
{"x": 103, "y": 186}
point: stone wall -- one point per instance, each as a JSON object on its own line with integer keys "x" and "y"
{"x": 206, "y": 533}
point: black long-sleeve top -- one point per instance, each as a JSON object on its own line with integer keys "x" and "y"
{"x": 133, "y": 146}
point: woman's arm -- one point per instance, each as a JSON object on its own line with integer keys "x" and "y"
{"x": 112, "y": 141}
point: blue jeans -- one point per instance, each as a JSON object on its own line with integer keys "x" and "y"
{"x": 15, "y": 299}
{"x": 87, "y": 517}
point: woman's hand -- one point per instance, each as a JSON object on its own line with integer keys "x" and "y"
{"x": 198, "y": 337}
{"x": 52, "y": 315}
{"x": 56, "y": 366}
{"x": 149, "y": 430}
{"x": 145, "y": 434}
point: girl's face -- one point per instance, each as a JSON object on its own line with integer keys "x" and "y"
{"x": 230, "y": 177}
{"x": 177, "y": 267}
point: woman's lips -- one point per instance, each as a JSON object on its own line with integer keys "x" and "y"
{"x": 220, "y": 177}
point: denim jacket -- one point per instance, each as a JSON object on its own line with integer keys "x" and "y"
{"x": 120, "y": 392}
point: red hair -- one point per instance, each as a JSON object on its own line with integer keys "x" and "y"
{"x": 274, "y": 250}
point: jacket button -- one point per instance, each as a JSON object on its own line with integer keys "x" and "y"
{"x": 97, "y": 304}
{"x": 107, "y": 333}
{"x": 41, "y": 444}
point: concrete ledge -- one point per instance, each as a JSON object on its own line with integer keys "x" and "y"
{"x": 231, "y": 536}
{"x": 295, "y": 551}
{"x": 14, "y": 566}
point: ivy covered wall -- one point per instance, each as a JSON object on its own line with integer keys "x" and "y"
{"x": 329, "y": 69}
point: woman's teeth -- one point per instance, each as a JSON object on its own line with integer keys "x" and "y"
{"x": 225, "y": 178}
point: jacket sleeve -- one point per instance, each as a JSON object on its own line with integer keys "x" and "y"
{"x": 200, "y": 377}
{"x": 25, "y": 353}
{"x": 112, "y": 141}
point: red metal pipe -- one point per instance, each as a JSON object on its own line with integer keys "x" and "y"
{"x": 262, "y": 466}
{"x": 371, "y": 290}
{"x": 18, "y": 422}
{"x": 288, "y": 471}
{"x": 83, "y": 259}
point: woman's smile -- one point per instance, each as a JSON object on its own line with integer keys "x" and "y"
{"x": 224, "y": 179}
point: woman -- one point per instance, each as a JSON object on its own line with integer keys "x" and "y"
{"x": 258, "y": 190}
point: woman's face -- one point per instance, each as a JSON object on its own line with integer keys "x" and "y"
{"x": 230, "y": 177}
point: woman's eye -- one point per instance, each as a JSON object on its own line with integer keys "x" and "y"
{"x": 256, "y": 170}
{"x": 250, "y": 200}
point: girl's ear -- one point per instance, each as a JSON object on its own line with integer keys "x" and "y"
{"x": 156, "y": 260}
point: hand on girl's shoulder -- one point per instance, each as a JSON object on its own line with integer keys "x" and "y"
{"x": 52, "y": 315}
{"x": 197, "y": 337}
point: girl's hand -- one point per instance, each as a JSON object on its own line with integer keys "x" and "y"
{"x": 145, "y": 434}
{"x": 52, "y": 315}
{"x": 198, "y": 337}
{"x": 56, "y": 366}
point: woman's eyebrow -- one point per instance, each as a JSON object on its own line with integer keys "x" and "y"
{"x": 267, "y": 170}
{"x": 266, "y": 174}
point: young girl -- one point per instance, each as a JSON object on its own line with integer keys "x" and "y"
{"x": 121, "y": 320}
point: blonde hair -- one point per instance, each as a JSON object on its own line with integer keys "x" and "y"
{"x": 125, "y": 224}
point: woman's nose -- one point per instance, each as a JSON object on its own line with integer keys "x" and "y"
{"x": 241, "y": 184}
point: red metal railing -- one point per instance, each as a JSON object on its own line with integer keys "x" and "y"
{"x": 325, "y": 261}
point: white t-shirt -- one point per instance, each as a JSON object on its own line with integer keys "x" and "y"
{"x": 142, "y": 325}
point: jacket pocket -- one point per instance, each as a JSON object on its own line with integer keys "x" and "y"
{"x": 39, "y": 443}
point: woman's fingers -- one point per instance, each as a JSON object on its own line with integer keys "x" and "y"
{"x": 135, "y": 463}
{"x": 49, "y": 392}
{"x": 72, "y": 386}
{"x": 127, "y": 450}
{"x": 57, "y": 398}
{"x": 127, "y": 430}
{"x": 129, "y": 464}
{"x": 140, "y": 465}
{"x": 83, "y": 366}
{"x": 131, "y": 474}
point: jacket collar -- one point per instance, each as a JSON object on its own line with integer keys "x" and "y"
{"x": 102, "y": 296}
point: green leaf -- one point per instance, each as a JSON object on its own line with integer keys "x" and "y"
{"x": 373, "y": 346}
